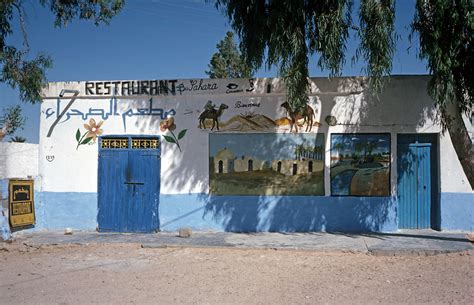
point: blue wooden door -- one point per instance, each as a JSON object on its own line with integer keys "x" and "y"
{"x": 110, "y": 190}
{"x": 129, "y": 184}
{"x": 414, "y": 186}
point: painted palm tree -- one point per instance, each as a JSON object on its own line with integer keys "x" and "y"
{"x": 319, "y": 152}
{"x": 338, "y": 147}
{"x": 299, "y": 152}
{"x": 306, "y": 151}
{"x": 370, "y": 147}
{"x": 359, "y": 147}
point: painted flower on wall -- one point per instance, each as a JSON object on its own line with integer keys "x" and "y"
{"x": 93, "y": 130}
{"x": 169, "y": 125}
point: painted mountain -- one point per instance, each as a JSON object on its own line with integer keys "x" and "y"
{"x": 254, "y": 122}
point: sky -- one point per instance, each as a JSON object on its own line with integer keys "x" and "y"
{"x": 157, "y": 39}
{"x": 349, "y": 143}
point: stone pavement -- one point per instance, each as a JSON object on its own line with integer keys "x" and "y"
{"x": 419, "y": 242}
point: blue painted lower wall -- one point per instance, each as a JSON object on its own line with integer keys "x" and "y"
{"x": 257, "y": 213}
{"x": 232, "y": 213}
{"x": 457, "y": 211}
{"x": 66, "y": 210}
{"x": 277, "y": 213}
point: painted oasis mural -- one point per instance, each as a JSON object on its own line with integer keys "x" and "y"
{"x": 360, "y": 164}
{"x": 266, "y": 164}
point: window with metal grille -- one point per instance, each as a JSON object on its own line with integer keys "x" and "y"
{"x": 114, "y": 143}
{"x": 145, "y": 143}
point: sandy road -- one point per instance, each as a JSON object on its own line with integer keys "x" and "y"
{"x": 129, "y": 274}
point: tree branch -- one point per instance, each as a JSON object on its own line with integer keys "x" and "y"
{"x": 21, "y": 16}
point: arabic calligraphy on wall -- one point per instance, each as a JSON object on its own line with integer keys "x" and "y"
{"x": 113, "y": 110}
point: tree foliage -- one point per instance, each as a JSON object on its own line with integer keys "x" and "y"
{"x": 446, "y": 33}
{"x": 11, "y": 120}
{"x": 17, "y": 66}
{"x": 227, "y": 62}
{"x": 17, "y": 139}
{"x": 286, "y": 33}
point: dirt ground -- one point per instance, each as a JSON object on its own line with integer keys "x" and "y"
{"x": 129, "y": 274}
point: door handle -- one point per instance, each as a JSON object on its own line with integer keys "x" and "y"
{"x": 134, "y": 183}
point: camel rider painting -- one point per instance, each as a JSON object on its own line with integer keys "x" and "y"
{"x": 210, "y": 107}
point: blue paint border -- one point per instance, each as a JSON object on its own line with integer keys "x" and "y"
{"x": 257, "y": 213}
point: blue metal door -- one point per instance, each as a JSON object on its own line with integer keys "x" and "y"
{"x": 414, "y": 186}
{"x": 129, "y": 184}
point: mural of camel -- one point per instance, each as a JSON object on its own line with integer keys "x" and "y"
{"x": 213, "y": 115}
{"x": 306, "y": 114}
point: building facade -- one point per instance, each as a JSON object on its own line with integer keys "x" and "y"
{"x": 143, "y": 156}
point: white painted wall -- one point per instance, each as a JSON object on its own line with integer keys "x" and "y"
{"x": 18, "y": 160}
{"x": 404, "y": 107}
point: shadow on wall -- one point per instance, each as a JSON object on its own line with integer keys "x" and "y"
{"x": 404, "y": 105}
{"x": 258, "y": 212}
{"x": 404, "y": 108}
{"x": 301, "y": 214}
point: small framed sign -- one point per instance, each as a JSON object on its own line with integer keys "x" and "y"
{"x": 21, "y": 203}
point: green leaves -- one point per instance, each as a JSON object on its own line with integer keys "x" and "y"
{"x": 286, "y": 32}
{"x": 377, "y": 39}
{"x": 227, "y": 62}
{"x": 27, "y": 72}
{"x": 175, "y": 140}
{"x": 181, "y": 134}
{"x": 28, "y": 75}
{"x": 446, "y": 32}
{"x": 98, "y": 11}
{"x": 86, "y": 140}
{"x": 11, "y": 119}
{"x": 169, "y": 139}
{"x": 83, "y": 139}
